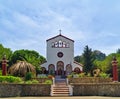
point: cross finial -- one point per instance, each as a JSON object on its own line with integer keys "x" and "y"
{"x": 60, "y": 31}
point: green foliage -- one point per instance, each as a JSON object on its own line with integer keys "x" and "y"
{"x": 88, "y": 60}
{"x": 118, "y": 51}
{"x": 5, "y": 51}
{"x": 0, "y": 72}
{"x": 82, "y": 75}
{"x": 78, "y": 59}
{"x": 42, "y": 76}
{"x": 104, "y": 75}
{"x": 28, "y": 76}
{"x": 31, "y": 82}
{"x": 30, "y": 56}
{"x": 98, "y": 55}
{"x": 10, "y": 79}
{"x": 48, "y": 82}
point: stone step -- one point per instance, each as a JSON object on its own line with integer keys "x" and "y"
{"x": 60, "y": 95}
{"x": 60, "y": 92}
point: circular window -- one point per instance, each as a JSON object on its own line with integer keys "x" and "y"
{"x": 60, "y": 54}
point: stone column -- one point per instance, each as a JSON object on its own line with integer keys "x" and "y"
{"x": 4, "y": 67}
{"x": 115, "y": 69}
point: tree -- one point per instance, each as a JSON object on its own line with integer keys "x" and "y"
{"x": 118, "y": 51}
{"x": 98, "y": 55}
{"x": 21, "y": 68}
{"x": 87, "y": 60}
{"x": 6, "y": 51}
{"x": 30, "y": 56}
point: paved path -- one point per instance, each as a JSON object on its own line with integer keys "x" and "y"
{"x": 80, "y": 97}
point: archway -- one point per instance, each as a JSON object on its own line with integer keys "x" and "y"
{"x": 60, "y": 68}
{"x": 68, "y": 69}
{"x": 51, "y": 69}
{"x": 77, "y": 70}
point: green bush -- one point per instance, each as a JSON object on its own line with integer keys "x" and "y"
{"x": 82, "y": 75}
{"x": 0, "y": 72}
{"x": 35, "y": 81}
{"x": 28, "y": 76}
{"x": 10, "y": 79}
{"x": 42, "y": 76}
{"x": 104, "y": 75}
{"x": 48, "y": 82}
{"x": 31, "y": 82}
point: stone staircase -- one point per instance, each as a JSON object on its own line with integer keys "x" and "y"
{"x": 60, "y": 88}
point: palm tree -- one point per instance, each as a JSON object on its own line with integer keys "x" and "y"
{"x": 21, "y": 68}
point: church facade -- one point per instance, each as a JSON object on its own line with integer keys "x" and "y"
{"x": 60, "y": 57}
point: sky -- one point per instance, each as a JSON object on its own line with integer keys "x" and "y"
{"x": 27, "y": 24}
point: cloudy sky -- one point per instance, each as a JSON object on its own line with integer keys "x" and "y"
{"x": 26, "y": 24}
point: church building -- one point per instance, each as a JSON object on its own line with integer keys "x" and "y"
{"x": 60, "y": 57}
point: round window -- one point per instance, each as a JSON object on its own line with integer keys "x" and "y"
{"x": 60, "y": 54}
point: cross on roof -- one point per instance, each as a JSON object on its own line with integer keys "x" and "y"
{"x": 60, "y": 31}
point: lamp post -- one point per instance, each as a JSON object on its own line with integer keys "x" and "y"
{"x": 4, "y": 66}
{"x": 115, "y": 69}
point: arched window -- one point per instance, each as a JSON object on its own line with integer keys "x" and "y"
{"x": 60, "y": 43}
{"x": 53, "y": 44}
{"x": 64, "y": 44}
{"x": 56, "y": 44}
{"x": 67, "y": 45}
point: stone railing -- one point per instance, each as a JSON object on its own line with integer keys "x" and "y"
{"x": 96, "y": 89}
{"x": 13, "y": 90}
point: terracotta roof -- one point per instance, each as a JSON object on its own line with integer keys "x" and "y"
{"x": 78, "y": 63}
{"x": 61, "y": 36}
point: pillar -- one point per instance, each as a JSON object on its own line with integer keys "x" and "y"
{"x": 4, "y": 66}
{"x": 115, "y": 69}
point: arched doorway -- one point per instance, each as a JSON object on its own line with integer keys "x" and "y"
{"x": 60, "y": 68}
{"x": 51, "y": 69}
{"x": 77, "y": 70}
{"x": 68, "y": 69}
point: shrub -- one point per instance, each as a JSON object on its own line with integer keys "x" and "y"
{"x": 28, "y": 76}
{"x": 35, "y": 81}
{"x": 10, "y": 79}
{"x": 104, "y": 75}
{"x": 28, "y": 82}
{"x": 42, "y": 76}
{"x": 82, "y": 75}
{"x": 48, "y": 82}
{"x": 0, "y": 72}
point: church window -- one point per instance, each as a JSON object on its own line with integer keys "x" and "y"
{"x": 64, "y": 44}
{"x": 56, "y": 44}
{"x": 67, "y": 45}
{"x": 60, "y": 54}
{"x": 60, "y": 43}
{"x": 53, "y": 44}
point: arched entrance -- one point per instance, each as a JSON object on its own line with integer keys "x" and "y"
{"x": 68, "y": 69}
{"x": 77, "y": 70}
{"x": 51, "y": 69}
{"x": 60, "y": 68}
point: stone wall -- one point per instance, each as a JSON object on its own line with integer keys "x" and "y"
{"x": 94, "y": 89}
{"x": 89, "y": 80}
{"x": 13, "y": 90}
